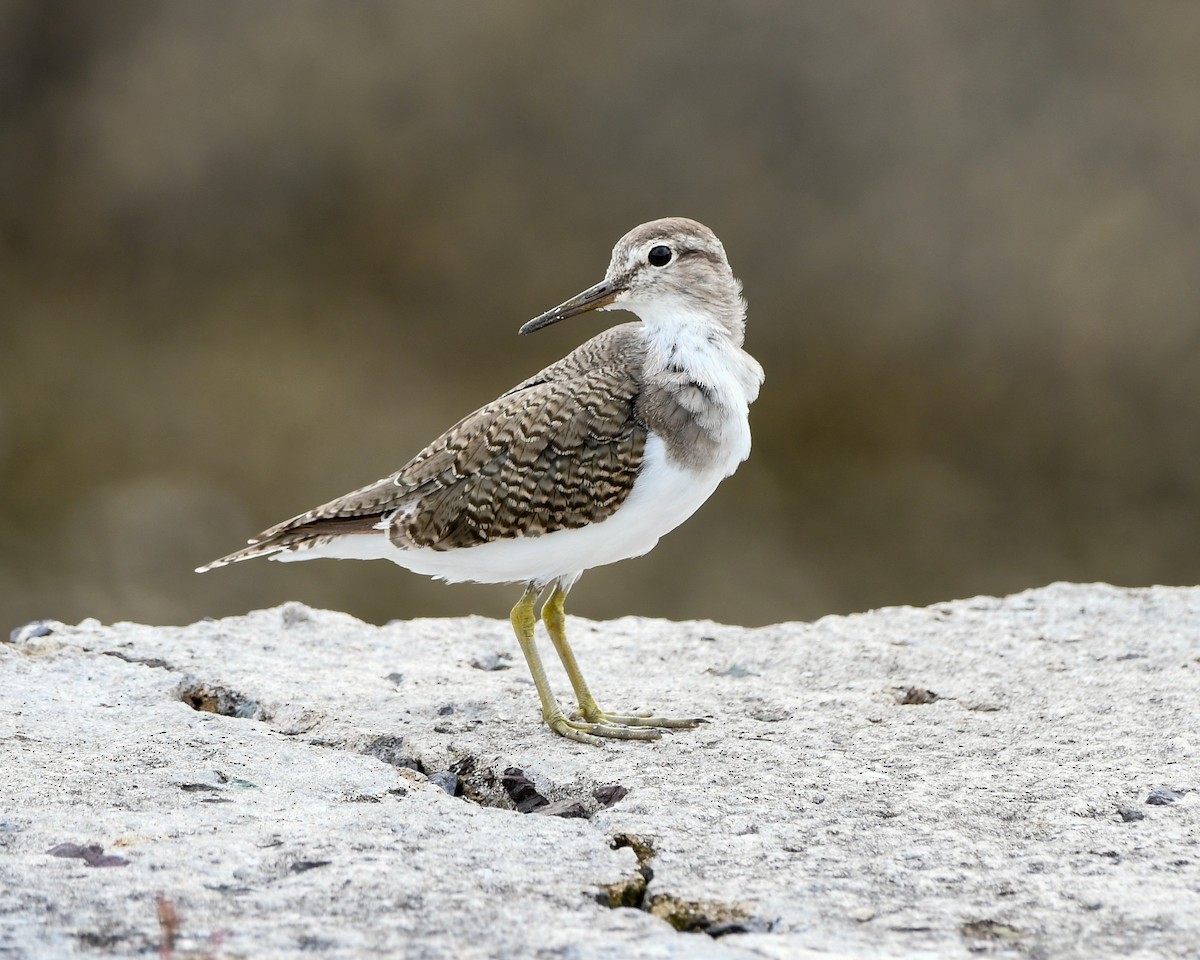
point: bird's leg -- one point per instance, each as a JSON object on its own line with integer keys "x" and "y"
{"x": 524, "y": 619}
{"x": 597, "y": 722}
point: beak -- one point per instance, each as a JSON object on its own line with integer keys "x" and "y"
{"x": 593, "y": 298}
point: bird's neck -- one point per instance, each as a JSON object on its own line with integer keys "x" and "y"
{"x": 688, "y": 347}
{"x": 723, "y": 316}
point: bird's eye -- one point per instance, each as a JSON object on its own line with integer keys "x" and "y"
{"x": 659, "y": 256}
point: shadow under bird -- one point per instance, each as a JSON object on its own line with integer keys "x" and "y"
{"x": 588, "y": 462}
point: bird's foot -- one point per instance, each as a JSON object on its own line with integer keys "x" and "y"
{"x": 591, "y": 713}
{"x": 593, "y": 726}
{"x": 596, "y": 732}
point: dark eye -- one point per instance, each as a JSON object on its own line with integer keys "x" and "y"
{"x": 659, "y": 256}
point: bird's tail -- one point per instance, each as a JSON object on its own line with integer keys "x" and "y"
{"x": 298, "y": 534}
{"x": 256, "y": 549}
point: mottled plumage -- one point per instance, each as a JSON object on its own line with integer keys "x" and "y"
{"x": 587, "y": 462}
{"x": 556, "y": 452}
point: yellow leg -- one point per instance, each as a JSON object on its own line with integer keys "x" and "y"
{"x": 555, "y": 619}
{"x": 598, "y": 722}
{"x": 524, "y": 619}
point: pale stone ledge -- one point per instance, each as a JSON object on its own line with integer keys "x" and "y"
{"x": 988, "y": 775}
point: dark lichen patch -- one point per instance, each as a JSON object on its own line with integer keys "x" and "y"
{"x": 642, "y": 847}
{"x": 915, "y": 696}
{"x": 394, "y": 751}
{"x": 687, "y": 916}
{"x": 478, "y": 783}
{"x": 630, "y": 892}
{"x": 98, "y": 940}
{"x": 704, "y": 916}
{"x": 214, "y": 698}
{"x": 989, "y": 930}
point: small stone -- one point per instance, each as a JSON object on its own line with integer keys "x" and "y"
{"x": 862, "y": 915}
{"x": 31, "y": 631}
{"x": 1129, "y": 815}
{"x": 491, "y": 660}
{"x": 918, "y": 696}
{"x": 301, "y": 866}
{"x": 447, "y": 780}
{"x": 75, "y": 850}
{"x": 396, "y": 678}
{"x": 567, "y": 808}
{"x": 1162, "y": 796}
{"x": 769, "y": 713}
{"x": 92, "y": 854}
{"x": 610, "y": 793}
{"x": 521, "y": 791}
{"x": 293, "y": 613}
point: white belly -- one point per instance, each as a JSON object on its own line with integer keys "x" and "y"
{"x": 663, "y": 496}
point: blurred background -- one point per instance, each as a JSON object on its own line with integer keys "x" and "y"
{"x": 256, "y": 254}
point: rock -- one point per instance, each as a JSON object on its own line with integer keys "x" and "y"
{"x": 492, "y": 660}
{"x": 266, "y": 773}
{"x": 31, "y": 631}
{"x": 1162, "y": 796}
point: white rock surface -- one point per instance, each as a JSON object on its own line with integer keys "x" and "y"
{"x": 814, "y": 815}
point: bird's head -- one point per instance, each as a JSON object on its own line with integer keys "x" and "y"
{"x": 659, "y": 271}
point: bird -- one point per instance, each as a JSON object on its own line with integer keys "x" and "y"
{"x": 588, "y": 462}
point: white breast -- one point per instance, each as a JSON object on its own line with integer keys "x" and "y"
{"x": 663, "y": 496}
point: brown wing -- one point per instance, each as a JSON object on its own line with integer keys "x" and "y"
{"x": 558, "y": 451}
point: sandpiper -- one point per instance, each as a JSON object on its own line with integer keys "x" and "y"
{"x": 588, "y": 462}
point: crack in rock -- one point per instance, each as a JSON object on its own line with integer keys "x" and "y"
{"x": 687, "y": 916}
{"x": 394, "y": 751}
{"x": 214, "y": 698}
{"x": 154, "y": 662}
{"x": 989, "y": 930}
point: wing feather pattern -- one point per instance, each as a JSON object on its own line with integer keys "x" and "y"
{"x": 559, "y": 451}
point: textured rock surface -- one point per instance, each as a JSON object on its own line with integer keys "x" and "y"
{"x": 983, "y": 776}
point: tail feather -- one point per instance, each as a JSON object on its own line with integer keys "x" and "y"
{"x": 255, "y": 549}
{"x": 298, "y": 537}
